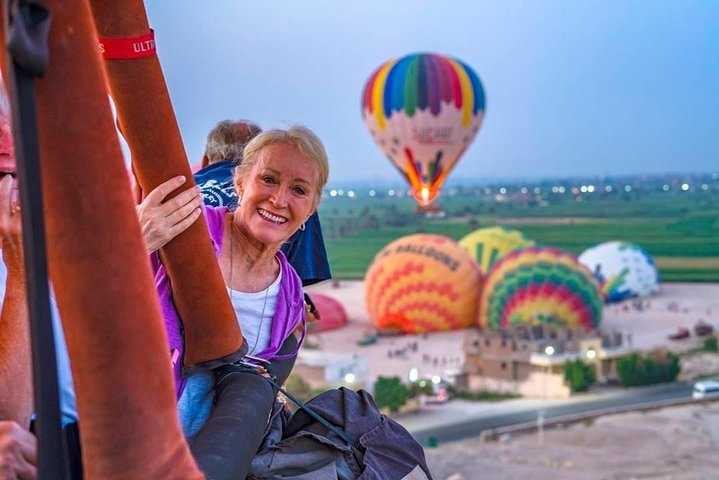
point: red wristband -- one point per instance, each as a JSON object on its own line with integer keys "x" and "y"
{"x": 125, "y": 48}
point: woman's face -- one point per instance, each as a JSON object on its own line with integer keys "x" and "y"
{"x": 278, "y": 194}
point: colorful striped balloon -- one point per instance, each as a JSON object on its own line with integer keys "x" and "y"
{"x": 423, "y": 110}
{"x": 489, "y": 245}
{"x": 422, "y": 283}
{"x": 540, "y": 285}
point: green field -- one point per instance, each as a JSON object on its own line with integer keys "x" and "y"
{"x": 681, "y": 231}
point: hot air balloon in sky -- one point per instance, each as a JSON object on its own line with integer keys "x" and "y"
{"x": 423, "y": 283}
{"x": 623, "y": 269}
{"x": 488, "y": 245}
{"x": 540, "y": 285}
{"x": 423, "y": 110}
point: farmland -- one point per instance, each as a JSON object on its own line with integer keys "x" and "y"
{"x": 680, "y": 229}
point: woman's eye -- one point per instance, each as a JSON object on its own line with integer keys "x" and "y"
{"x": 300, "y": 191}
{"x": 268, "y": 179}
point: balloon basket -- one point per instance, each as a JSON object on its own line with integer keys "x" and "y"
{"x": 426, "y": 208}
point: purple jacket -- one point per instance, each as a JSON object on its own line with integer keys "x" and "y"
{"x": 288, "y": 313}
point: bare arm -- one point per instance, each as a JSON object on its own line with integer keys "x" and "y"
{"x": 161, "y": 222}
{"x": 15, "y": 366}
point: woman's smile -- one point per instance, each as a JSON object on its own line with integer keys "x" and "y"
{"x": 271, "y": 217}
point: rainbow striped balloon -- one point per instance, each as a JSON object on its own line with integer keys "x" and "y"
{"x": 540, "y": 285}
{"x": 423, "y": 110}
{"x": 422, "y": 283}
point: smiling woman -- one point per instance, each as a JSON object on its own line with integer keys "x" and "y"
{"x": 279, "y": 185}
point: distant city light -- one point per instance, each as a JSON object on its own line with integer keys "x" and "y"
{"x": 685, "y": 187}
{"x": 583, "y": 189}
{"x": 333, "y": 193}
{"x": 591, "y": 354}
{"x": 537, "y": 190}
{"x": 608, "y": 188}
{"x": 562, "y": 189}
{"x": 351, "y": 194}
{"x": 436, "y": 379}
{"x": 549, "y": 350}
{"x": 524, "y": 190}
{"x": 390, "y": 192}
{"x": 350, "y": 378}
{"x": 340, "y": 192}
{"x": 590, "y": 188}
{"x": 487, "y": 191}
{"x": 502, "y": 190}
{"x": 372, "y": 193}
{"x": 627, "y": 188}
{"x": 413, "y": 374}
{"x": 665, "y": 187}
{"x": 705, "y": 187}
{"x": 555, "y": 189}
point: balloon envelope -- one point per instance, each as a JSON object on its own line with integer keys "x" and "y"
{"x": 423, "y": 110}
{"x": 624, "y": 270}
{"x": 332, "y": 314}
{"x": 540, "y": 285}
{"x": 488, "y": 245}
{"x": 422, "y": 283}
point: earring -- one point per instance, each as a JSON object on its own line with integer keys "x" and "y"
{"x": 302, "y": 227}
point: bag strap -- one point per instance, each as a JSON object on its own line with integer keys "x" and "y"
{"x": 246, "y": 367}
{"x": 340, "y": 433}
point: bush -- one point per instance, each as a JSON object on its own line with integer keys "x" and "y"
{"x": 416, "y": 389}
{"x": 389, "y": 392}
{"x": 659, "y": 366}
{"x": 579, "y": 376}
{"x": 711, "y": 345}
{"x": 487, "y": 396}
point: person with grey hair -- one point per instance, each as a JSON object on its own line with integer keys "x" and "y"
{"x": 226, "y": 141}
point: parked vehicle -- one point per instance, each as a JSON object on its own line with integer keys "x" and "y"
{"x": 702, "y": 328}
{"x": 705, "y": 389}
{"x": 679, "y": 334}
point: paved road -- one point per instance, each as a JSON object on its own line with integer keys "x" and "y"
{"x": 458, "y": 420}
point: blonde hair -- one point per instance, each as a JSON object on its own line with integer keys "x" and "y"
{"x": 302, "y": 138}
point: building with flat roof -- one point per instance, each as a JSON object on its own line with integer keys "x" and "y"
{"x": 529, "y": 360}
{"x": 321, "y": 369}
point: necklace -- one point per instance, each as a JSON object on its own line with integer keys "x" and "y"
{"x": 232, "y": 292}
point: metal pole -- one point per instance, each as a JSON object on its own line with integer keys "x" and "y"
{"x": 26, "y": 29}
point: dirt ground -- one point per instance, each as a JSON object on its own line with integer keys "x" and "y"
{"x": 673, "y": 443}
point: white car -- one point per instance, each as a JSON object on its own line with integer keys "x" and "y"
{"x": 705, "y": 389}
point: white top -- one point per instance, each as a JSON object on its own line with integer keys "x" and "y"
{"x": 254, "y": 314}
{"x": 195, "y": 403}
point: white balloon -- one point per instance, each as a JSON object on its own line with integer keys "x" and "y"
{"x": 624, "y": 270}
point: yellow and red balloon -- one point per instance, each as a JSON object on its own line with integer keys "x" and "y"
{"x": 423, "y": 283}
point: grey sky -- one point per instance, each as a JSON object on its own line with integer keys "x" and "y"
{"x": 586, "y": 87}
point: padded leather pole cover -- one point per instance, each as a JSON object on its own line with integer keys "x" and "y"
{"x": 148, "y": 124}
{"x": 99, "y": 268}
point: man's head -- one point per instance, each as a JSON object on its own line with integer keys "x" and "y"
{"x": 227, "y": 141}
